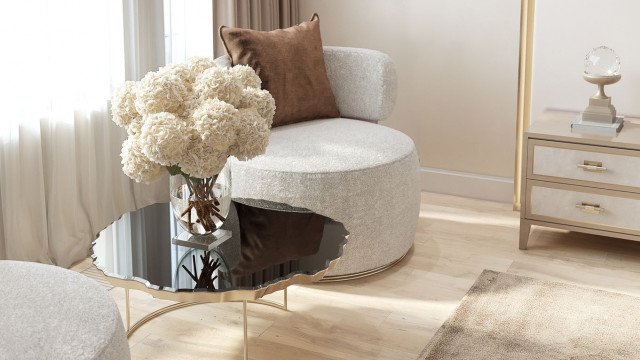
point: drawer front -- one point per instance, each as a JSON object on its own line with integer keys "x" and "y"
{"x": 582, "y": 206}
{"x": 606, "y": 166}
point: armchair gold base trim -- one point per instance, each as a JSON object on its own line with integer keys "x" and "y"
{"x": 362, "y": 274}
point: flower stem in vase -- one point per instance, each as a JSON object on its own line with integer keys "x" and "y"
{"x": 203, "y": 200}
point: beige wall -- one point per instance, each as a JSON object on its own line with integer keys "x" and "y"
{"x": 457, "y": 71}
{"x": 564, "y": 32}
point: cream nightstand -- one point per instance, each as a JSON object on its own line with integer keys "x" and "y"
{"x": 580, "y": 182}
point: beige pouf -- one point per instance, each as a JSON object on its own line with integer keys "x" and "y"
{"x": 47, "y": 312}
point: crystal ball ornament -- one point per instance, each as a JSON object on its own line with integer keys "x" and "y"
{"x": 602, "y": 61}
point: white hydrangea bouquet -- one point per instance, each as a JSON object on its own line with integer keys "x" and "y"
{"x": 188, "y": 118}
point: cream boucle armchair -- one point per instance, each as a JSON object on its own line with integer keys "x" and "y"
{"x": 359, "y": 173}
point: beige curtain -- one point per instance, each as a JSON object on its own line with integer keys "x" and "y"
{"x": 262, "y": 15}
{"x": 61, "y": 181}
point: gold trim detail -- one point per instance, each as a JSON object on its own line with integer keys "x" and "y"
{"x": 527, "y": 12}
{"x": 590, "y": 208}
{"x": 592, "y": 166}
{"x": 362, "y": 274}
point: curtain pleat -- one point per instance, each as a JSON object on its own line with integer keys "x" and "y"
{"x": 23, "y": 210}
{"x": 264, "y": 15}
{"x": 287, "y": 13}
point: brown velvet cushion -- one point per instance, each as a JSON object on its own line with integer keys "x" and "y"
{"x": 290, "y": 63}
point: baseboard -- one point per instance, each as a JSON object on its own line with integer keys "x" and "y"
{"x": 470, "y": 185}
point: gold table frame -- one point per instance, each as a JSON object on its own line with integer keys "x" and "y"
{"x": 157, "y": 313}
{"x": 191, "y": 298}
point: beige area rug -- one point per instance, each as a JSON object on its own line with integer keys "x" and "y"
{"x": 505, "y": 316}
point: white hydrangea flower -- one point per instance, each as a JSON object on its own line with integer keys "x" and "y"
{"x": 253, "y": 135}
{"x": 197, "y": 65}
{"x": 202, "y": 161}
{"x": 194, "y": 115}
{"x": 136, "y": 165}
{"x": 162, "y": 91}
{"x": 189, "y": 70}
{"x": 179, "y": 70}
{"x": 218, "y": 83}
{"x": 247, "y": 76}
{"x": 261, "y": 100}
{"x": 135, "y": 126}
{"x": 214, "y": 122}
{"x": 123, "y": 108}
{"x": 165, "y": 138}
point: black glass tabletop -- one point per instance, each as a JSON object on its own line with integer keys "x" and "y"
{"x": 259, "y": 244}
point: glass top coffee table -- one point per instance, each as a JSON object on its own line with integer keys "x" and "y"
{"x": 266, "y": 247}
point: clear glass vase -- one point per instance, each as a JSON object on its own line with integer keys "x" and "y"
{"x": 201, "y": 205}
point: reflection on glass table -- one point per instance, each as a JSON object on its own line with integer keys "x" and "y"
{"x": 138, "y": 246}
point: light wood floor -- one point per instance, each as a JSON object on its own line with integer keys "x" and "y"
{"x": 394, "y": 314}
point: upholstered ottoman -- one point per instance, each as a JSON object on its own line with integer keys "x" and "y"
{"x": 47, "y": 312}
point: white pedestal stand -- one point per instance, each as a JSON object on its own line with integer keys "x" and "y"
{"x": 600, "y": 117}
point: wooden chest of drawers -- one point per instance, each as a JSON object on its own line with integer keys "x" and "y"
{"x": 580, "y": 182}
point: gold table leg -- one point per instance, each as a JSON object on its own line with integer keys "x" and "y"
{"x": 244, "y": 323}
{"x": 127, "y": 310}
{"x": 286, "y": 306}
{"x": 283, "y": 306}
{"x": 277, "y": 305}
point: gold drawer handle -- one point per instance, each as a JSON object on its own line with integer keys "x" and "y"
{"x": 590, "y": 208}
{"x": 593, "y": 166}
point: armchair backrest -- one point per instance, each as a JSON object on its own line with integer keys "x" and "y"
{"x": 363, "y": 81}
